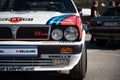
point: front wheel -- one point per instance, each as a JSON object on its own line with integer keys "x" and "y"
{"x": 79, "y": 71}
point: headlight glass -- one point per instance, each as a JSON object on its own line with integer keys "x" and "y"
{"x": 57, "y": 34}
{"x": 71, "y": 33}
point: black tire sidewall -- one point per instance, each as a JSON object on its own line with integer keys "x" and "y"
{"x": 79, "y": 71}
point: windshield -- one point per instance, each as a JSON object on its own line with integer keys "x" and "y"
{"x": 113, "y": 11}
{"x": 64, "y": 6}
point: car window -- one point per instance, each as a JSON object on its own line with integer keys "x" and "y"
{"x": 112, "y": 12}
{"x": 64, "y": 6}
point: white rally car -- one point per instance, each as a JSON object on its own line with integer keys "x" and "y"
{"x": 42, "y": 35}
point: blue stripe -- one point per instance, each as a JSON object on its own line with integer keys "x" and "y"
{"x": 57, "y": 20}
{"x": 51, "y": 21}
{"x": 62, "y": 18}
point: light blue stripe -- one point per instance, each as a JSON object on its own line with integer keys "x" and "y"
{"x": 57, "y": 19}
{"x": 53, "y": 20}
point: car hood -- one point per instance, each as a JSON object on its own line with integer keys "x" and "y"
{"x": 28, "y": 17}
{"x": 106, "y": 18}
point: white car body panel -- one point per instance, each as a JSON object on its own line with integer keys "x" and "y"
{"x": 8, "y": 18}
{"x": 38, "y": 16}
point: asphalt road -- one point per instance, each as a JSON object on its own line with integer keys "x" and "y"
{"x": 103, "y": 64}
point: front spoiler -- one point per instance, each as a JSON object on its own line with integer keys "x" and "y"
{"x": 73, "y": 60}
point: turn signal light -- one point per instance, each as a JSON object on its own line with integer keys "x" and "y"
{"x": 66, "y": 50}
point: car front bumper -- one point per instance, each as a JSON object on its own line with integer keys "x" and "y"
{"x": 49, "y": 58}
{"x": 44, "y": 65}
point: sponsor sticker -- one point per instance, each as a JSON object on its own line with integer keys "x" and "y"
{"x": 16, "y": 19}
{"x": 10, "y": 68}
{"x": 18, "y": 51}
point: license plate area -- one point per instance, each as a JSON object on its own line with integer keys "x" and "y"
{"x": 18, "y": 51}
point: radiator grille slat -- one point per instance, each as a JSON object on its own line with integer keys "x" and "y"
{"x": 30, "y": 62}
{"x": 5, "y": 33}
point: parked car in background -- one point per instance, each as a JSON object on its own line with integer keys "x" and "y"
{"x": 42, "y": 35}
{"x": 106, "y": 27}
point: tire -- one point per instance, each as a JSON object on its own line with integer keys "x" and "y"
{"x": 79, "y": 71}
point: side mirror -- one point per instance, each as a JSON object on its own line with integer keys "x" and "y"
{"x": 85, "y": 12}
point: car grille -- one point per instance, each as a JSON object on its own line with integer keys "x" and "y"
{"x": 26, "y": 62}
{"x": 24, "y": 33}
{"x": 5, "y": 33}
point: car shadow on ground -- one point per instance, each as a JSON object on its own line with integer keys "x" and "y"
{"x": 33, "y": 76}
{"x": 113, "y": 45}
